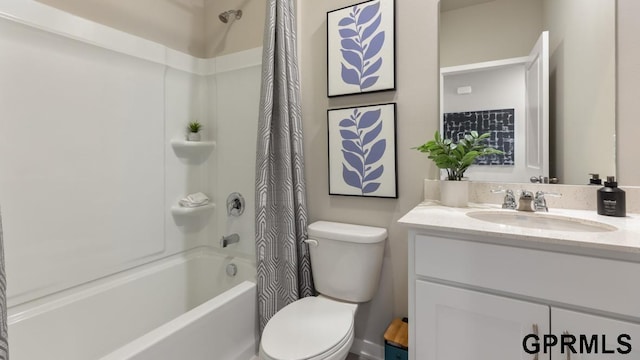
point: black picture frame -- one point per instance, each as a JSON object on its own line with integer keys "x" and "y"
{"x": 361, "y": 48}
{"x": 362, "y": 156}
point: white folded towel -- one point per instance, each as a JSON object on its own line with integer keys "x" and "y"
{"x": 194, "y": 200}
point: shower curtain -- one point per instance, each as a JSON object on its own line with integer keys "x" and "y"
{"x": 283, "y": 264}
{"x": 4, "y": 341}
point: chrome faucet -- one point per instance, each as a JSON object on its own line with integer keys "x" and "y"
{"x": 525, "y": 201}
{"x": 229, "y": 239}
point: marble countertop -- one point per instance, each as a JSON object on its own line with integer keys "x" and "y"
{"x": 430, "y": 215}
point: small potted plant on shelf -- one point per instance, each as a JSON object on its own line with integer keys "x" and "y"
{"x": 456, "y": 158}
{"x": 194, "y": 131}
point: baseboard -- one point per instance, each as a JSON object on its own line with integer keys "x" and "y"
{"x": 367, "y": 349}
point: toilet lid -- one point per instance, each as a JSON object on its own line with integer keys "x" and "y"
{"x": 306, "y": 328}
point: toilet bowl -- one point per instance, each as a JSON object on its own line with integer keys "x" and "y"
{"x": 346, "y": 261}
{"x": 310, "y": 328}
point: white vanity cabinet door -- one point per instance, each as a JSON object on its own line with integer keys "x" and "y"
{"x": 459, "y": 324}
{"x": 577, "y": 323}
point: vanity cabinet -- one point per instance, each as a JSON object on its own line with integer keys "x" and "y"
{"x": 474, "y": 296}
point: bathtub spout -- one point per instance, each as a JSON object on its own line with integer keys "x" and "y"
{"x": 229, "y": 239}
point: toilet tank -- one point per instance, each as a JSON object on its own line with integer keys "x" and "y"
{"x": 346, "y": 259}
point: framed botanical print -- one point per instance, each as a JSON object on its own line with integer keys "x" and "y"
{"x": 362, "y": 151}
{"x": 361, "y": 48}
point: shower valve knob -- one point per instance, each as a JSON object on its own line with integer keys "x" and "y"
{"x": 235, "y": 204}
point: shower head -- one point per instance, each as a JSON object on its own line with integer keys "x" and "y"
{"x": 224, "y": 17}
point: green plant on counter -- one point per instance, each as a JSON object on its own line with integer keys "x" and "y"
{"x": 195, "y": 126}
{"x": 457, "y": 157}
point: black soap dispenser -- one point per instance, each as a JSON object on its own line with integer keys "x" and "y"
{"x": 611, "y": 199}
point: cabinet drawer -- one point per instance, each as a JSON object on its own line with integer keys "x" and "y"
{"x": 593, "y": 335}
{"x": 459, "y": 324}
{"x": 596, "y": 283}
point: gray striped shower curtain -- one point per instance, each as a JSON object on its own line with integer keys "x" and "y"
{"x": 283, "y": 264}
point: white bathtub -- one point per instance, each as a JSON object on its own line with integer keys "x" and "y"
{"x": 181, "y": 307}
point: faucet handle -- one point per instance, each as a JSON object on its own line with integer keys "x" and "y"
{"x": 540, "y": 203}
{"x": 507, "y": 192}
{"x": 547, "y": 193}
{"x": 509, "y": 201}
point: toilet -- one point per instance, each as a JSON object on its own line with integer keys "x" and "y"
{"x": 346, "y": 261}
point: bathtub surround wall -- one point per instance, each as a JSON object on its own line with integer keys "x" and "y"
{"x": 235, "y": 114}
{"x": 89, "y": 173}
{"x": 82, "y": 151}
{"x": 4, "y": 343}
{"x": 283, "y": 262}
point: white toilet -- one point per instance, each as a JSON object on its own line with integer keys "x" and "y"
{"x": 346, "y": 261}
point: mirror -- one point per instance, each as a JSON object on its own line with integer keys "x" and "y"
{"x": 581, "y": 131}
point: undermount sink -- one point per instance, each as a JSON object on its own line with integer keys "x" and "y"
{"x": 541, "y": 221}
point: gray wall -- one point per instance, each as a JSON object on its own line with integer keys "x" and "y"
{"x": 512, "y": 25}
{"x": 189, "y": 26}
{"x": 628, "y": 61}
{"x": 417, "y": 119}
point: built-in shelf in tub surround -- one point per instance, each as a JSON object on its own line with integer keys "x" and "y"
{"x": 625, "y": 240}
{"x": 193, "y": 144}
{"x": 178, "y": 210}
{"x": 189, "y": 149}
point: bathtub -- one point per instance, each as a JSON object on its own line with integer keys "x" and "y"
{"x": 181, "y": 307}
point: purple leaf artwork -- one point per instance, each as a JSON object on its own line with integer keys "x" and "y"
{"x": 361, "y": 42}
{"x": 362, "y": 149}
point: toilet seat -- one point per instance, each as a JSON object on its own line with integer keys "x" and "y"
{"x": 309, "y": 328}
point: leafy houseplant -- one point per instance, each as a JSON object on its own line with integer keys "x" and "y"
{"x": 457, "y": 157}
{"x": 194, "y": 131}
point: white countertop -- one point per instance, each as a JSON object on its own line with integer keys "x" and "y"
{"x": 430, "y": 215}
